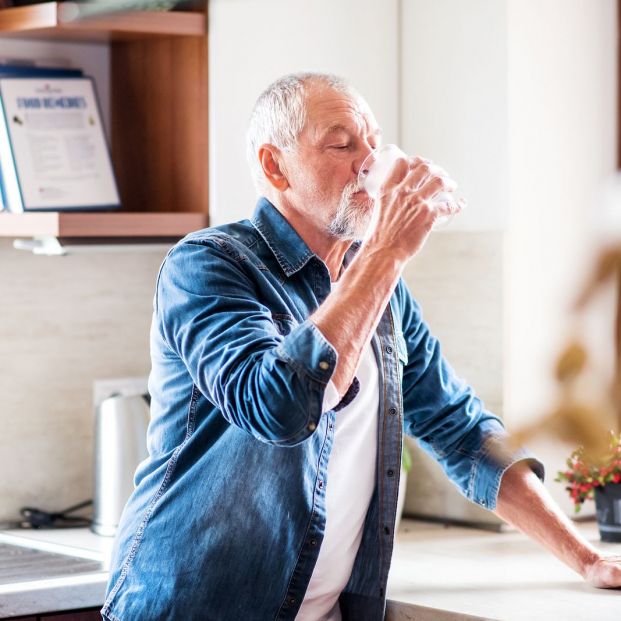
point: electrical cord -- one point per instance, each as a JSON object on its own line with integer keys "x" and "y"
{"x": 37, "y": 518}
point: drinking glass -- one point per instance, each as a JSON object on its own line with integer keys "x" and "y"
{"x": 376, "y": 167}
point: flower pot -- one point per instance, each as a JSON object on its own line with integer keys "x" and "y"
{"x": 608, "y": 510}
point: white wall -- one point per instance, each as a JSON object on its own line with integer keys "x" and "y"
{"x": 562, "y": 112}
{"x": 64, "y": 322}
{"x": 454, "y": 99}
{"x": 252, "y": 43}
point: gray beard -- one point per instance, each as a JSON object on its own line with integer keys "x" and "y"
{"x": 352, "y": 217}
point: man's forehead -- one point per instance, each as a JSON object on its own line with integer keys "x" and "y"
{"x": 330, "y": 111}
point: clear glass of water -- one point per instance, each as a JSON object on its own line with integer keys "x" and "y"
{"x": 375, "y": 169}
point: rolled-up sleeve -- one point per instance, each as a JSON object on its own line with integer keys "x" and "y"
{"x": 447, "y": 418}
{"x": 210, "y": 314}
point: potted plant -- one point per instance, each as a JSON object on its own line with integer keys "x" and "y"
{"x": 598, "y": 477}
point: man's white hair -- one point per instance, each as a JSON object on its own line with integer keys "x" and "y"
{"x": 279, "y": 115}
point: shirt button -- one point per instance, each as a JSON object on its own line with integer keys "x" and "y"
{"x": 313, "y": 542}
{"x": 482, "y": 501}
{"x": 392, "y": 411}
{"x": 292, "y": 600}
{"x": 324, "y": 365}
{"x": 390, "y": 473}
{"x": 389, "y": 349}
{"x": 320, "y": 484}
{"x": 311, "y": 426}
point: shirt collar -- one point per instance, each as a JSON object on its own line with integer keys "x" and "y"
{"x": 283, "y": 240}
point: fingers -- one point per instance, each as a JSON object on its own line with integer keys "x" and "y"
{"x": 427, "y": 178}
{"x": 434, "y": 184}
{"x": 420, "y": 169}
{"x": 396, "y": 175}
{"x": 449, "y": 207}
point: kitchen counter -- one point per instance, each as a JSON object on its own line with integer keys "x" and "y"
{"x": 84, "y": 590}
{"x": 444, "y": 573}
{"x": 503, "y": 576}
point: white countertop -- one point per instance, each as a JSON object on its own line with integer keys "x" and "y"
{"x": 446, "y": 572}
{"x": 63, "y": 593}
{"x": 503, "y": 576}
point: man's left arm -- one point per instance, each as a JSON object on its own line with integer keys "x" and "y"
{"x": 524, "y": 502}
{"x": 469, "y": 442}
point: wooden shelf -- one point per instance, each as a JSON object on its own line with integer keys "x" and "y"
{"x": 101, "y": 224}
{"x": 158, "y": 126}
{"x": 49, "y": 21}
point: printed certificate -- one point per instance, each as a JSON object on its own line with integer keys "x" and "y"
{"x": 60, "y": 153}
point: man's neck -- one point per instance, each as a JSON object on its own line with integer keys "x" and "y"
{"x": 328, "y": 248}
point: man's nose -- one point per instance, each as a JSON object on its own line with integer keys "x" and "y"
{"x": 363, "y": 161}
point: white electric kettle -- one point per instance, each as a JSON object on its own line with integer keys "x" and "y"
{"x": 120, "y": 445}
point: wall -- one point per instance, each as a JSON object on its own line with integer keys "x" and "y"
{"x": 454, "y": 99}
{"x": 64, "y": 322}
{"x": 252, "y": 43}
{"x": 562, "y": 110}
{"x": 457, "y": 278}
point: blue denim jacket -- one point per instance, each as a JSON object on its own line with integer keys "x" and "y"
{"x": 228, "y": 513}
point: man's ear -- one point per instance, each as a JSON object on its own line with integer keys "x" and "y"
{"x": 269, "y": 157}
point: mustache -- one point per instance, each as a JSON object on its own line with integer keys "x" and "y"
{"x": 351, "y": 188}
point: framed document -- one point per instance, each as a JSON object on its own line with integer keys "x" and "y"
{"x": 53, "y": 150}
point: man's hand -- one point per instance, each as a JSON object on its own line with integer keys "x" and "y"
{"x": 524, "y": 502}
{"x": 405, "y": 211}
{"x": 605, "y": 572}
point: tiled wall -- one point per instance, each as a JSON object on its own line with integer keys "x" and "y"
{"x": 457, "y": 278}
{"x": 64, "y": 321}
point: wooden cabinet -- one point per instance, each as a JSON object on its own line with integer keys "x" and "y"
{"x": 159, "y": 140}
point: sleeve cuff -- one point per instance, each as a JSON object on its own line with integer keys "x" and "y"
{"x": 494, "y": 460}
{"x": 308, "y": 350}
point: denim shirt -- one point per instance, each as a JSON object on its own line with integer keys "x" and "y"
{"x": 228, "y": 513}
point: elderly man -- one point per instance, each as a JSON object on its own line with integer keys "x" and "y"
{"x": 288, "y": 359}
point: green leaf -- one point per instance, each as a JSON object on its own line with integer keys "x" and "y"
{"x": 406, "y": 458}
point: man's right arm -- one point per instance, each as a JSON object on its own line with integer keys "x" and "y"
{"x": 402, "y": 221}
{"x": 349, "y": 315}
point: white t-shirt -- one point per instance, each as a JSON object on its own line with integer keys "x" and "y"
{"x": 351, "y": 480}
